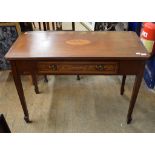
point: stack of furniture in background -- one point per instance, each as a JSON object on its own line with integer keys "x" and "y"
{"x": 55, "y": 26}
{"x": 111, "y": 26}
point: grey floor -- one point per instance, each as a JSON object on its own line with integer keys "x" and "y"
{"x": 93, "y": 104}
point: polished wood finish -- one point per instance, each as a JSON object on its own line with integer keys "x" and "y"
{"x": 54, "y": 45}
{"x": 46, "y": 26}
{"x": 52, "y": 67}
{"x": 90, "y": 53}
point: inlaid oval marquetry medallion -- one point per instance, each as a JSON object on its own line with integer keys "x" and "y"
{"x": 78, "y": 42}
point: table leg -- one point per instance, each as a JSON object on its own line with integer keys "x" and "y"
{"x": 78, "y": 77}
{"x": 35, "y": 83}
{"x": 18, "y": 84}
{"x": 123, "y": 84}
{"x": 135, "y": 91}
{"x": 45, "y": 78}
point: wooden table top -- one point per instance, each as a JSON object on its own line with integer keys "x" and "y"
{"x": 78, "y": 45}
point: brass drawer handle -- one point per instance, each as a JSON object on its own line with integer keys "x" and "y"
{"x": 100, "y": 67}
{"x": 53, "y": 67}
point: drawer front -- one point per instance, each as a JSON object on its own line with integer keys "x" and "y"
{"x": 77, "y": 67}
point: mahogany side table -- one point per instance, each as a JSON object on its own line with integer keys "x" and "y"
{"x": 75, "y": 53}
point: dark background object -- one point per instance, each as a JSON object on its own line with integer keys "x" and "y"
{"x": 135, "y": 26}
{"x": 111, "y": 26}
{"x": 9, "y": 32}
{"x": 149, "y": 73}
{"x": 4, "y": 128}
{"x": 26, "y": 26}
{"x": 105, "y": 26}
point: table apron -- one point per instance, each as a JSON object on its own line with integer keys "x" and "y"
{"x": 110, "y": 67}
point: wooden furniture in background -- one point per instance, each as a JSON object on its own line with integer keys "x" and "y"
{"x": 73, "y": 26}
{"x": 72, "y": 53}
{"x": 45, "y": 27}
{"x": 56, "y": 26}
{"x": 59, "y": 26}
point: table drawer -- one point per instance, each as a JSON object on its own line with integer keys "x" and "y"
{"x": 77, "y": 67}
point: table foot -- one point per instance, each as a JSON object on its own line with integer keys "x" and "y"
{"x": 129, "y": 120}
{"x": 37, "y": 91}
{"x": 78, "y": 77}
{"x": 122, "y": 91}
{"x": 45, "y": 79}
{"x": 27, "y": 120}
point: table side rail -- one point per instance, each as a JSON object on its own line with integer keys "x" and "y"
{"x": 110, "y": 67}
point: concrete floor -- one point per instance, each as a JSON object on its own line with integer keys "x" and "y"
{"x": 93, "y": 104}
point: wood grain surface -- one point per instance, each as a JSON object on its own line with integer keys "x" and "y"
{"x": 95, "y": 45}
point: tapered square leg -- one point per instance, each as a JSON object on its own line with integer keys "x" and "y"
{"x": 45, "y": 78}
{"x": 35, "y": 83}
{"x": 135, "y": 91}
{"x": 122, "y": 85}
{"x": 18, "y": 84}
{"x": 78, "y": 77}
{"x": 27, "y": 120}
